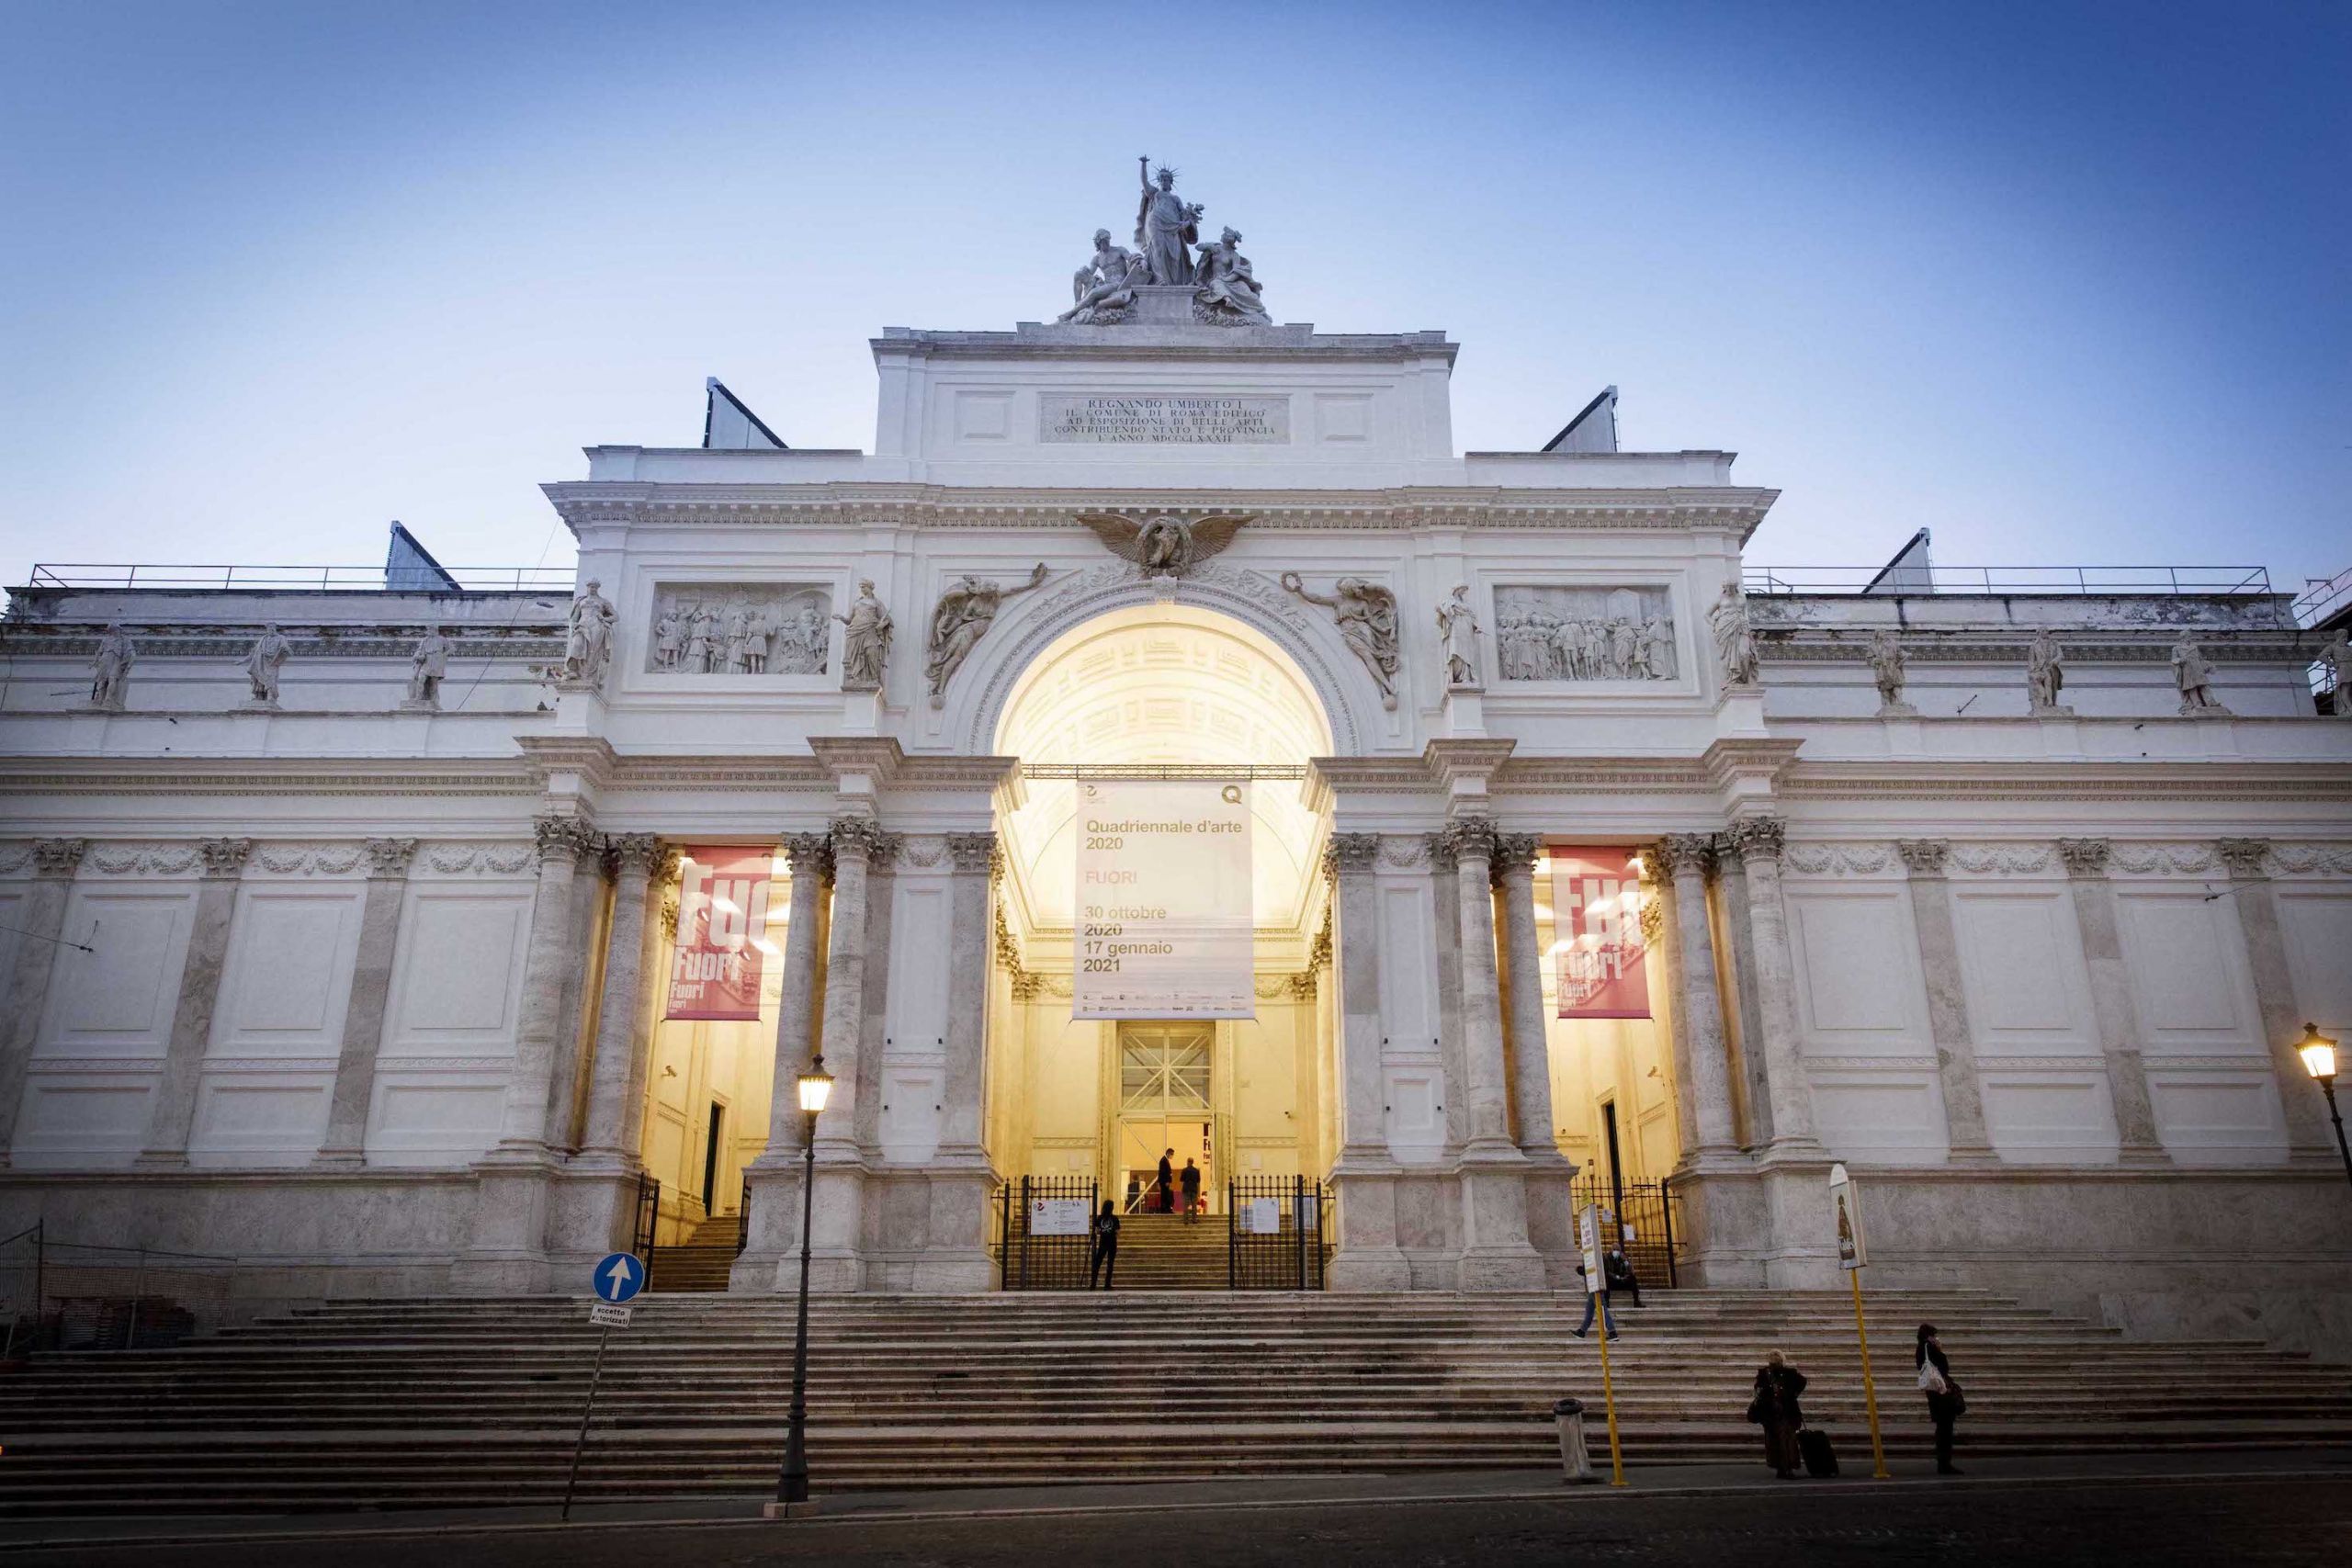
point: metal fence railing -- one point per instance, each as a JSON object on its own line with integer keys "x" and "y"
{"x": 1276, "y": 1236}
{"x": 2175, "y": 580}
{"x": 1045, "y": 1233}
{"x": 69, "y": 1295}
{"x": 1642, "y": 1214}
{"x": 321, "y": 579}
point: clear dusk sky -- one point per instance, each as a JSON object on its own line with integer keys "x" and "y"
{"x": 2066, "y": 283}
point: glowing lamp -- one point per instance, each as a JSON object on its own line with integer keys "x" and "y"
{"x": 815, "y": 1087}
{"x": 2318, "y": 1053}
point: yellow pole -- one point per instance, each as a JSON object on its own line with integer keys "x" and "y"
{"x": 1869, "y": 1385}
{"x": 1609, "y": 1401}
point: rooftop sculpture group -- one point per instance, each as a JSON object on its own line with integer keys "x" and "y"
{"x": 1225, "y": 291}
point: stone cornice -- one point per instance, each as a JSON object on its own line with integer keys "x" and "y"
{"x": 1951, "y": 780}
{"x": 267, "y": 776}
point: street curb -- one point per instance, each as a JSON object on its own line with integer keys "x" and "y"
{"x": 1564, "y": 1493}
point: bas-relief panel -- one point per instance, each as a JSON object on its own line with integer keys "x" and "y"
{"x": 740, "y": 628}
{"x": 1552, "y": 633}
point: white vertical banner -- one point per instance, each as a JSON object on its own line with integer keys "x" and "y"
{"x": 1164, "y": 920}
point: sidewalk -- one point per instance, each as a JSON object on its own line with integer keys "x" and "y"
{"x": 1269, "y": 1491}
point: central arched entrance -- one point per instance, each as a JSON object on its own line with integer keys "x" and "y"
{"x": 1180, "y": 688}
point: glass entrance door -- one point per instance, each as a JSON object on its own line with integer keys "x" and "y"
{"x": 1163, "y": 1108}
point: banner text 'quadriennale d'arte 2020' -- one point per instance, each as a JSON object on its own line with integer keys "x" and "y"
{"x": 1164, "y": 920}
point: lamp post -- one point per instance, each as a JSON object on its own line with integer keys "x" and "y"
{"x": 2318, "y": 1053}
{"x": 792, "y": 1481}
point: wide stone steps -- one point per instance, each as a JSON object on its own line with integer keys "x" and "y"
{"x": 451, "y": 1401}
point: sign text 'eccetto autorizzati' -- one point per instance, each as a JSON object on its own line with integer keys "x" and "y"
{"x": 1171, "y": 418}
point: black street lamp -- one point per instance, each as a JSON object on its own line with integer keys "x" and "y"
{"x": 792, "y": 1481}
{"x": 2318, "y": 1053}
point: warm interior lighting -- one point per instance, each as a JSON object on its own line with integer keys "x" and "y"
{"x": 815, "y": 1087}
{"x": 2318, "y": 1053}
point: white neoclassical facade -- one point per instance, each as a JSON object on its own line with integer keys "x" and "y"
{"x": 1981, "y": 894}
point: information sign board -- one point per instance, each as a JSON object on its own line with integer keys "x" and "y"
{"x": 1057, "y": 1217}
{"x": 1846, "y": 1207}
{"x": 1164, "y": 916}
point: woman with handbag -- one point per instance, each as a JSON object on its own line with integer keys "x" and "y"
{"x": 1775, "y": 1409}
{"x": 1945, "y": 1402}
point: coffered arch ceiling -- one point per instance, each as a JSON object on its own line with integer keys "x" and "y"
{"x": 1163, "y": 684}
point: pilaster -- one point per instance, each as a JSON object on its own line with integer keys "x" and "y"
{"x": 1495, "y": 1253}
{"x": 2308, "y": 1136}
{"x": 1367, "y": 1256}
{"x": 207, "y": 952}
{"x": 1702, "y": 1058}
{"x": 1963, "y": 1095}
{"x": 775, "y": 1174}
{"x": 43, "y": 920}
{"x": 1758, "y": 841}
{"x": 2117, "y": 1014}
{"x": 345, "y": 1145}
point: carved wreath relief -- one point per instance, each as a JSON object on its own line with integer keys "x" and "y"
{"x": 1584, "y": 633}
{"x": 732, "y": 628}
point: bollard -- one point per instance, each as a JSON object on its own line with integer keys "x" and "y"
{"x": 1574, "y": 1463}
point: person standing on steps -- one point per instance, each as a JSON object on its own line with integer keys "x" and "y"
{"x": 1608, "y": 1319}
{"x": 1192, "y": 1180}
{"x": 1106, "y": 1258}
{"x": 1945, "y": 1402}
{"x": 1775, "y": 1408}
{"x": 1168, "y": 1181}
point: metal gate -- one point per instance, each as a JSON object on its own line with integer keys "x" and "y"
{"x": 1275, "y": 1228}
{"x": 1644, "y": 1214}
{"x": 1037, "y": 1248}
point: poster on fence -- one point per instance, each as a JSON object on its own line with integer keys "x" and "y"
{"x": 1163, "y": 900}
{"x": 1058, "y": 1216}
{"x": 722, "y": 932}
{"x": 1597, "y": 943}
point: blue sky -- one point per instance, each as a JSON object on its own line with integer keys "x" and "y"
{"x": 2067, "y": 284}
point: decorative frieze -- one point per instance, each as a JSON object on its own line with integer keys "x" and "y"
{"x": 2160, "y": 860}
{"x": 1832, "y": 859}
{"x": 310, "y": 860}
{"x": 739, "y": 628}
{"x": 143, "y": 860}
{"x": 1557, "y": 633}
{"x": 2002, "y": 859}
{"x": 492, "y": 860}
{"x": 2304, "y": 860}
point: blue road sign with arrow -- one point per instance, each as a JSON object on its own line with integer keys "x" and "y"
{"x": 618, "y": 1277}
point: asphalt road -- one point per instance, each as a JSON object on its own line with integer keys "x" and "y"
{"x": 2188, "y": 1520}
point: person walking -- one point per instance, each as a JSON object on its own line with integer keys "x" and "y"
{"x": 1945, "y": 1402}
{"x": 1168, "y": 1181}
{"x": 1608, "y": 1319}
{"x": 1106, "y": 1258}
{"x": 1192, "y": 1180}
{"x": 1775, "y": 1408}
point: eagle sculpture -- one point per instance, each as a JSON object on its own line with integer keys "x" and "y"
{"x": 1162, "y": 544}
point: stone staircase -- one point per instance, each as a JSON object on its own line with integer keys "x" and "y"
{"x": 1161, "y": 1252}
{"x": 469, "y": 1401}
{"x": 702, "y": 1262}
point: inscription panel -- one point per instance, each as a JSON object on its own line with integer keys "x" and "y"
{"x": 1163, "y": 418}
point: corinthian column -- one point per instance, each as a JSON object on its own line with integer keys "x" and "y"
{"x": 1758, "y": 841}
{"x": 26, "y": 990}
{"x": 955, "y": 1256}
{"x": 2111, "y": 1003}
{"x": 1495, "y": 1253}
{"x": 617, "y": 1071}
{"x": 1702, "y": 1056}
{"x": 345, "y": 1145}
{"x": 523, "y": 1128}
{"x": 857, "y": 844}
{"x": 2274, "y": 989}
{"x": 773, "y": 1224}
{"x": 1367, "y": 1258}
{"x": 207, "y": 952}
{"x": 1530, "y": 1055}
{"x": 1930, "y": 892}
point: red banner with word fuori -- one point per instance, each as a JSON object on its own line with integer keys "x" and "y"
{"x": 1597, "y": 933}
{"x": 722, "y": 932}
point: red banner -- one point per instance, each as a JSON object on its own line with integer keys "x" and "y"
{"x": 1597, "y": 926}
{"x": 722, "y": 929}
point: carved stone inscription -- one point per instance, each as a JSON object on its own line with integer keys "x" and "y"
{"x": 1165, "y": 418}
{"x": 1584, "y": 633}
{"x": 740, "y": 628}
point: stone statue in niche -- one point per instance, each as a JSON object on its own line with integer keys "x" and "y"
{"x": 1167, "y": 227}
{"x": 2335, "y": 656}
{"x": 1105, "y": 286}
{"x": 1163, "y": 545}
{"x": 1457, "y": 628}
{"x": 1366, "y": 613}
{"x": 1584, "y": 633}
{"x": 1735, "y": 639}
{"x": 1226, "y": 292}
{"x": 428, "y": 665}
{"x": 1887, "y": 662}
{"x": 589, "y": 647}
{"x": 866, "y": 640}
{"x": 728, "y": 628}
{"x": 2046, "y": 675}
{"x": 263, "y": 661}
{"x": 2193, "y": 673}
{"x": 110, "y": 669}
{"x": 960, "y": 619}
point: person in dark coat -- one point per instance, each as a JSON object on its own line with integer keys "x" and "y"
{"x": 1167, "y": 1182}
{"x": 1776, "y": 1409}
{"x": 1945, "y": 1402}
{"x": 1191, "y": 1178}
{"x": 1618, "y": 1269}
{"x": 1106, "y": 1259}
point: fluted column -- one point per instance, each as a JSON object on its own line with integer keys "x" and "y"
{"x": 207, "y": 952}
{"x": 857, "y": 843}
{"x": 1702, "y": 1056}
{"x": 1930, "y": 893}
{"x": 523, "y": 1128}
{"x": 1758, "y": 841}
{"x": 2274, "y": 991}
{"x": 975, "y": 857}
{"x": 1736, "y": 961}
{"x": 42, "y": 919}
{"x": 773, "y": 1224}
{"x": 2111, "y": 1005}
{"x": 1495, "y": 1253}
{"x": 346, "y": 1144}
{"x": 1367, "y": 1258}
{"x": 616, "y": 1067}
{"x": 1531, "y": 1053}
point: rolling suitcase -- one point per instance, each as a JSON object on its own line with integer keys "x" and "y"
{"x": 1820, "y": 1459}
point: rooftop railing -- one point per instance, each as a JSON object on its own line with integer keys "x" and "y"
{"x": 300, "y": 578}
{"x": 2323, "y": 597}
{"x": 2249, "y": 581}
